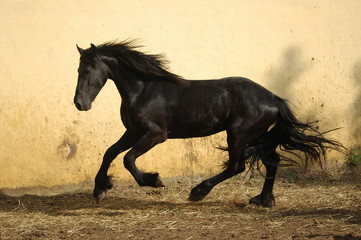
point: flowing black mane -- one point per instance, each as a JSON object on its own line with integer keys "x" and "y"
{"x": 154, "y": 66}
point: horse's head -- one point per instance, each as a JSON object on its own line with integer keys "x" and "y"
{"x": 92, "y": 75}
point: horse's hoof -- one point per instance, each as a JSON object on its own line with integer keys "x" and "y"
{"x": 263, "y": 201}
{"x": 99, "y": 194}
{"x": 159, "y": 182}
{"x": 195, "y": 198}
{"x": 198, "y": 193}
{"x": 255, "y": 200}
{"x": 100, "y": 197}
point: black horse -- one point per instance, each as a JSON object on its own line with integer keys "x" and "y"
{"x": 157, "y": 105}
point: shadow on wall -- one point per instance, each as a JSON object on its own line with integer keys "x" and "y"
{"x": 282, "y": 80}
{"x": 356, "y": 107}
{"x": 282, "y": 77}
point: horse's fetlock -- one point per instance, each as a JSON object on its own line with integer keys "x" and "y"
{"x": 151, "y": 180}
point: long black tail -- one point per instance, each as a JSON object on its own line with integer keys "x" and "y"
{"x": 300, "y": 140}
{"x": 296, "y": 137}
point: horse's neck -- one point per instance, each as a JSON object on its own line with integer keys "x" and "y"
{"x": 127, "y": 84}
{"x": 129, "y": 87}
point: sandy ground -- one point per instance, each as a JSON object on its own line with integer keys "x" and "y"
{"x": 311, "y": 208}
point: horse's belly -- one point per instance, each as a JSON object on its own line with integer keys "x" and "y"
{"x": 196, "y": 125}
{"x": 201, "y": 110}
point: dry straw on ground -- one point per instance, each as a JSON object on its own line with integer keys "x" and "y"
{"x": 316, "y": 208}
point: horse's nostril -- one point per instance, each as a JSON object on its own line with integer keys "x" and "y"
{"x": 77, "y": 105}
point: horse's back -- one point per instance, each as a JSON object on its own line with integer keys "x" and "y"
{"x": 205, "y": 107}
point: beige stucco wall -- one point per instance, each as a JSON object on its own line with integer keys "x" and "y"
{"x": 307, "y": 51}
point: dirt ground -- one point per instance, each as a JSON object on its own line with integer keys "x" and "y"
{"x": 310, "y": 208}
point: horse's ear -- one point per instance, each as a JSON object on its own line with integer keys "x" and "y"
{"x": 93, "y": 48}
{"x": 80, "y": 50}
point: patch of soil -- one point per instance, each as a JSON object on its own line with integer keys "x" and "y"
{"x": 306, "y": 209}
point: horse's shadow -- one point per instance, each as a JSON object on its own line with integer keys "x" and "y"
{"x": 78, "y": 204}
{"x": 72, "y": 204}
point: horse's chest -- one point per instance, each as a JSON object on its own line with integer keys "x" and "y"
{"x": 141, "y": 116}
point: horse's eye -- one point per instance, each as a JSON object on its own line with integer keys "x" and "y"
{"x": 86, "y": 71}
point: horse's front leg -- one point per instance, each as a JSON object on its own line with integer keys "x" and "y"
{"x": 143, "y": 145}
{"x": 102, "y": 181}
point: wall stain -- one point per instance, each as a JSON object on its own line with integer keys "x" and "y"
{"x": 67, "y": 150}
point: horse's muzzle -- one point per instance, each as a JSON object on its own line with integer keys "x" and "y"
{"x": 81, "y": 105}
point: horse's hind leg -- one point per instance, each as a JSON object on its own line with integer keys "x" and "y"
{"x": 236, "y": 164}
{"x": 266, "y": 197}
{"x": 102, "y": 181}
